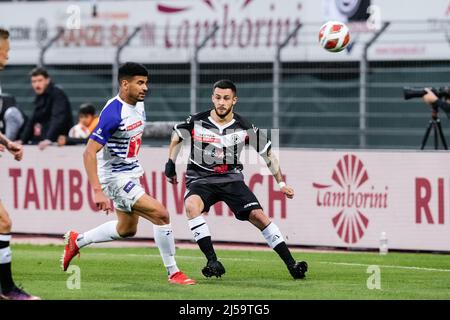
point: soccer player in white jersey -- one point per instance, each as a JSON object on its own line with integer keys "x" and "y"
{"x": 8, "y": 290}
{"x": 113, "y": 169}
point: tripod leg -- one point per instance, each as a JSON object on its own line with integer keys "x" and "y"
{"x": 441, "y": 134}
{"x": 426, "y": 135}
{"x": 436, "y": 137}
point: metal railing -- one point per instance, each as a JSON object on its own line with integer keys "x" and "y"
{"x": 339, "y": 104}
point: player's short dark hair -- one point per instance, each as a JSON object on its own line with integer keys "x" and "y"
{"x": 225, "y": 84}
{"x": 4, "y": 34}
{"x": 87, "y": 109}
{"x": 39, "y": 71}
{"x": 131, "y": 69}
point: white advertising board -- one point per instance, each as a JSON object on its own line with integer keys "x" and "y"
{"x": 342, "y": 198}
{"x": 249, "y": 30}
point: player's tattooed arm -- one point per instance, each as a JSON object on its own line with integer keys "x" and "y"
{"x": 274, "y": 166}
{"x": 175, "y": 146}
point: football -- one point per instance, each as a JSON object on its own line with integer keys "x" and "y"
{"x": 334, "y": 36}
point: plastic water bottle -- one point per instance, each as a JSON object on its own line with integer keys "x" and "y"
{"x": 383, "y": 243}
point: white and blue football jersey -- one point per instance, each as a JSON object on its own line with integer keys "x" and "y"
{"x": 119, "y": 130}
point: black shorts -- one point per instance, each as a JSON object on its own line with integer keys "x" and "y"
{"x": 236, "y": 195}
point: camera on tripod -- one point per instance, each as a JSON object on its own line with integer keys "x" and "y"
{"x": 414, "y": 92}
{"x": 435, "y": 122}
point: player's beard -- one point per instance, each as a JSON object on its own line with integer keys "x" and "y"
{"x": 223, "y": 116}
{"x": 139, "y": 99}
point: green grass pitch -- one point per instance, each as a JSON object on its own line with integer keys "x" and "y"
{"x": 138, "y": 273}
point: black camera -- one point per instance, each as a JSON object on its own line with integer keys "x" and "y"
{"x": 412, "y": 92}
{"x": 435, "y": 122}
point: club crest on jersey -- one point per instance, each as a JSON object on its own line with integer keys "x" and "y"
{"x": 134, "y": 125}
{"x": 130, "y": 185}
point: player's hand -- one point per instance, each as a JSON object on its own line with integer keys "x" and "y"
{"x": 102, "y": 201}
{"x": 430, "y": 97}
{"x": 288, "y": 192}
{"x": 16, "y": 150}
{"x": 170, "y": 172}
{"x": 2, "y": 148}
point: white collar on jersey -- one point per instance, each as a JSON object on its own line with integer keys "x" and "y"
{"x": 221, "y": 128}
{"x": 123, "y": 102}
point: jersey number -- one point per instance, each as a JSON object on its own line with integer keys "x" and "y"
{"x": 135, "y": 145}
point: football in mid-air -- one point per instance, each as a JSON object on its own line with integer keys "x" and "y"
{"x": 334, "y": 36}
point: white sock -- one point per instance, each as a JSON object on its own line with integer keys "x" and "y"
{"x": 5, "y": 253}
{"x": 166, "y": 244}
{"x": 103, "y": 233}
{"x": 199, "y": 228}
{"x": 272, "y": 235}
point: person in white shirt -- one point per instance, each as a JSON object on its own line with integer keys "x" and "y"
{"x": 114, "y": 170}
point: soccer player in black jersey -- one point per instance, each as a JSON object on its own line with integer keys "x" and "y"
{"x": 214, "y": 174}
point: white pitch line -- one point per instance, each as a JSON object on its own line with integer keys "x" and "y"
{"x": 157, "y": 256}
{"x": 385, "y": 266}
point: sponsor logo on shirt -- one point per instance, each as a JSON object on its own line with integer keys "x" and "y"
{"x": 134, "y": 125}
{"x": 207, "y": 138}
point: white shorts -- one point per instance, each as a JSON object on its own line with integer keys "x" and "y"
{"x": 124, "y": 192}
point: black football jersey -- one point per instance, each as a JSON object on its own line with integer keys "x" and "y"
{"x": 216, "y": 149}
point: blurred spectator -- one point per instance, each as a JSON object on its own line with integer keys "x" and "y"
{"x": 12, "y": 118}
{"x": 52, "y": 114}
{"x": 79, "y": 133}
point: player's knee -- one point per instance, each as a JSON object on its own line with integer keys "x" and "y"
{"x": 192, "y": 209}
{"x": 127, "y": 233}
{"x": 257, "y": 215}
{"x": 126, "y": 230}
{"x": 259, "y": 219}
{"x": 162, "y": 216}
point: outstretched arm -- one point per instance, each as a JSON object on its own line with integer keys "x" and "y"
{"x": 180, "y": 132}
{"x": 175, "y": 146}
{"x": 174, "y": 150}
{"x": 274, "y": 167}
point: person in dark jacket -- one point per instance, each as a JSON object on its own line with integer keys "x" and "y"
{"x": 52, "y": 114}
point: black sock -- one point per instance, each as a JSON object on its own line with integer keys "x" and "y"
{"x": 284, "y": 254}
{"x": 206, "y": 246}
{"x": 6, "y": 281}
